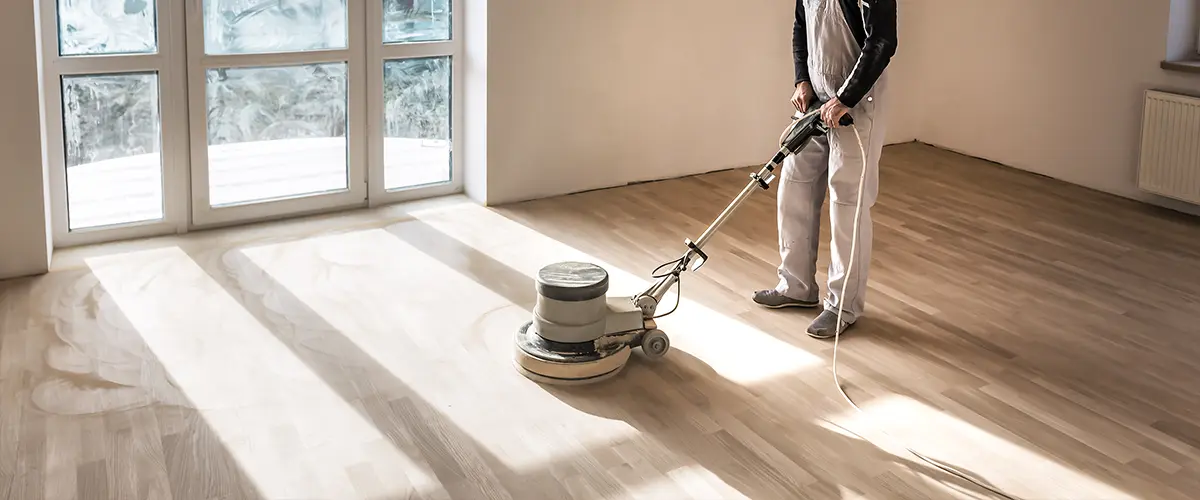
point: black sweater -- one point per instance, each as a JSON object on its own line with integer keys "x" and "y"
{"x": 877, "y": 40}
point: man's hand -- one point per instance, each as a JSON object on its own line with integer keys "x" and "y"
{"x": 832, "y": 112}
{"x": 803, "y": 96}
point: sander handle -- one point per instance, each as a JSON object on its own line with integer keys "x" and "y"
{"x": 795, "y": 137}
{"x": 804, "y": 126}
{"x": 846, "y": 120}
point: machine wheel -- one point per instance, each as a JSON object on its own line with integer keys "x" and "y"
{"x": 655, "y": 343}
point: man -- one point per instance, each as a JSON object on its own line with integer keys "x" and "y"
{"x": 841, "y": 50}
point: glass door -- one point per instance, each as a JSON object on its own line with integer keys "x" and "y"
{"x": 277, "y": 107}
{"x": 414, "y": 70}
{"x": 114, "y": 118}
{"x": 165, "y": 116}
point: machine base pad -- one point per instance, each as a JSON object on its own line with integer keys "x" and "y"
{"x": 543, "y": 366}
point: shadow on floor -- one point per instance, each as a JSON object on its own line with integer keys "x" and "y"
{"x": 146, "y": 437}
{"x": 468, "y": 261}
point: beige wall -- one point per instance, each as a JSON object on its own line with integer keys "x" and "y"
{"x": 1053, "y": 87}
{"x": 24, "y": 228}
{"x": 584, "y": 95}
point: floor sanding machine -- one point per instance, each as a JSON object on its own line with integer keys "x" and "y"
{"x": 579, "y": 335}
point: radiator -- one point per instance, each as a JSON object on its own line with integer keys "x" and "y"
{"x": 1170, "y": 151}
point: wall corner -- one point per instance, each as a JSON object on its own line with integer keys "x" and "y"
{"x": 26, "y": 238}
{"x": 475, "y": 107}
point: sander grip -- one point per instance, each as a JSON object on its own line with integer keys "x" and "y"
{"x": 846, "y": 120}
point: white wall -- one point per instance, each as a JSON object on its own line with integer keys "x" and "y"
{"x": 905, "y": 80}
{"x": 584, "y": 95}
{"x": 475, "y": 105}
{"x": 1053, "y": 87}
{"x": 24, "y": 226}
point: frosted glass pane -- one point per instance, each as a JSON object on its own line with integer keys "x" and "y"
{"x": 258, "y": 26}
{"x": 276, "y": 132}
{"x": 112, "y": 133}
{"x": 106, "y": 27}
{"x": 416, "y": 144}
{"x": 416, "y": 20}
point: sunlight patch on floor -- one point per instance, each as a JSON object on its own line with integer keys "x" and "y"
{"x": 942, "y": 437}
{"x": 435, "y": 334}
{"x": 642, "y": 480}
{"x": 695, "y": 481}
{"x": 737, "y": 351}
{"x": 290, "y": 433}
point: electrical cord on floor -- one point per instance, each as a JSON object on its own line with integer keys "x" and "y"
{"x": 838, "y": 332}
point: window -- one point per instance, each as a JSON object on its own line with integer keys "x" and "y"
{"x": 415, "y": 95}
{"x": 167, "y": 116}
{"x": 1183, "y": 37}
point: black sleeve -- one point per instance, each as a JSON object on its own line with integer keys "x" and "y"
{"x": 800, "y": 44}
{"x": 878, "y": 49}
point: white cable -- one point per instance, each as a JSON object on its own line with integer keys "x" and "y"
{"x": 838, "y": 329}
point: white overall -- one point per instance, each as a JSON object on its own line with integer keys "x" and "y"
{"x": 833, "y": 160}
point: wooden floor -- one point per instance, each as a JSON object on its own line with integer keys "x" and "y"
{"x": 1042, "y": 337}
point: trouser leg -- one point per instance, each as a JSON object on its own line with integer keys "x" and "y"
{"x": 846, "y": 165}
{"x": 800, "y": 197}
{"x": 842, "y": 223}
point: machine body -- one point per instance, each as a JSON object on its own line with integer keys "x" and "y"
{"x": 580, "y": 335}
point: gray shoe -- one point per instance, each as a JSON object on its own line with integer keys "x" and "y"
{"x": 822, "y": 327}
{"x": 775, "y": 300}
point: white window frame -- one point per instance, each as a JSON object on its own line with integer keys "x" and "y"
{"x": 181, "y": 64}
{"x": 377, "y": 53}
{"x": 203, "y": 215}
{"x": 167, "y": 62}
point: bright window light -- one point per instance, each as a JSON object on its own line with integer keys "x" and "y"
{"x": 433, "y": 333}
{"x": 266, "y": 406}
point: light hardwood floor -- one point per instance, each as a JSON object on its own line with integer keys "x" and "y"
{"x": 1043, "y": 337}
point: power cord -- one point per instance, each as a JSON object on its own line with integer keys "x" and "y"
{"x": 838, "y": 332}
